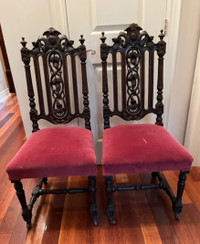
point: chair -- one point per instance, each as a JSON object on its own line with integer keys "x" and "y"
{"x": 137, "y": 147}
{"x": 60, "y": 150}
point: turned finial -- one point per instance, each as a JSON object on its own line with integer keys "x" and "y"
{"x": 162, "y": 35}
{"x": 103, "y": 38}
{"x": 81, "y": 40}
{"x": 23, "y": 42}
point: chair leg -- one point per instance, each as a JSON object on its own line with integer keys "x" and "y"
{"x": 110, "y": 206}
{"x": 26, "y": 212}
{"x": 93, "y": 206}
{"x": 178, "y": 201}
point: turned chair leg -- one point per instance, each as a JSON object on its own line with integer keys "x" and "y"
{"x": 26, "y": 212}
{"x": 109, "y": 193}
{"x": 178, "y": 201}
{"x": 93, "y": 206}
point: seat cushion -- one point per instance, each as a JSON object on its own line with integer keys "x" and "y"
{"x": 142, "y": 148}
{"x": 58, "y": 151}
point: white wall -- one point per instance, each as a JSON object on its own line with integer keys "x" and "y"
{"x": 192, "y": 139}
{"x": 180, "y": 91}
{"x": 22, "y": 18}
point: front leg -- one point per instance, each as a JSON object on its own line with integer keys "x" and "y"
{"x": 93, "y": 206}
{"x": 109, "y": 193}
{"x": 26, "y": 212}
{"x": 178, "y": 201}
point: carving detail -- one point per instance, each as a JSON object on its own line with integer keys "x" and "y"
{"x": 57, "y": 84}
{"x": 132, "y": 80}
{"x": 132, "y": 44}
{"x": 53, "y": 49}
{"x": 52, "y": 39}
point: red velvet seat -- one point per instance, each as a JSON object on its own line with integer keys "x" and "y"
{"x": 142, "y": 148}
{"x": 58, "y": 93}
{"x": 133, "y": 88}
{"x": 57, "y": 151}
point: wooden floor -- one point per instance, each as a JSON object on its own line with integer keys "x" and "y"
{"x": 142, "y": 216}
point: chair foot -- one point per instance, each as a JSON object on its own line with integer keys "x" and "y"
{"x": 29, "y": 226}
{"x": 26, "y": 212}
{"x": 177, "y": 207}
{"x": 110, "y": 206}
{"x": 95, "y": 221}
{"x": 94, "y": 214}
{"x": 177, "y": 217}
{"x": 110, "y": 213}
{"x": 93, "y": 206}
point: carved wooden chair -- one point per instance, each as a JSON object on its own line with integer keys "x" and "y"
{"x": 144, "y": 147}
{"x": 59, "y": 150}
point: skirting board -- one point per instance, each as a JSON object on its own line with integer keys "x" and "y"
{"x": 4, "y": 94}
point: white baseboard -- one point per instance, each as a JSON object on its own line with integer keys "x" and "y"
{"x": 4, "y": 94}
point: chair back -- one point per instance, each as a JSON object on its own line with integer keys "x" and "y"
{"x": 52, "y": 80}
{"x": 133, "y": 53}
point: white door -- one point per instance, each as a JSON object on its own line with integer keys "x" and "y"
{"x": 90, "y": 18}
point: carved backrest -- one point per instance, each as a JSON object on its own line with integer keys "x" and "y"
{"x": 55, "y": 62}
{"x": 132, "y": 46}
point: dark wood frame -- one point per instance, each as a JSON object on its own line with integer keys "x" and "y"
{"x": 6, "y": 63}
{"x": 54, "y": 48}
{"x": 132, "y": 45}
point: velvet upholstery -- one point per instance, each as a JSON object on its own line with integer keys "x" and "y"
{"x": 58, "y": 151}
{"x": 142, "y": 148}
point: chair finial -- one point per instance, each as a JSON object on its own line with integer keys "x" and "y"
{"x": 81, "y": 40}
{"x": 23, "y": 42}
{"x": 162, "y": 35}
{"x": 103, "y": 38}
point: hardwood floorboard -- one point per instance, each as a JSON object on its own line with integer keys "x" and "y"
{"x": 165, "y": 228}
{"x": 4, "y": 238}
{"x": 17, "y": 123}
{"x": 5, "y": 119}
{"x": 143, "y": 217}
{"x": 126, "y": 217}
{"x": 193, "y": 187}
{"x": 144, "y": 214}
{"x": 55, "y": 214}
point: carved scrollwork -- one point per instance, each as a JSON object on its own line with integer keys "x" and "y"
{"x": 132, "y": 44}
{"x": 133, "y": 35}
{"x": 54, "y": 59}
{"x": 52, "y": 39}
{"x": 132, "y": 80}
{"x": 57, "y": 84}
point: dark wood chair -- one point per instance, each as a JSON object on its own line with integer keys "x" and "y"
{"x": 144, "y": 147}
{"x": 60, "y": 150}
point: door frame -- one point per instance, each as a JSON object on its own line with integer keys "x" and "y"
{"x": 6, "y": 65}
